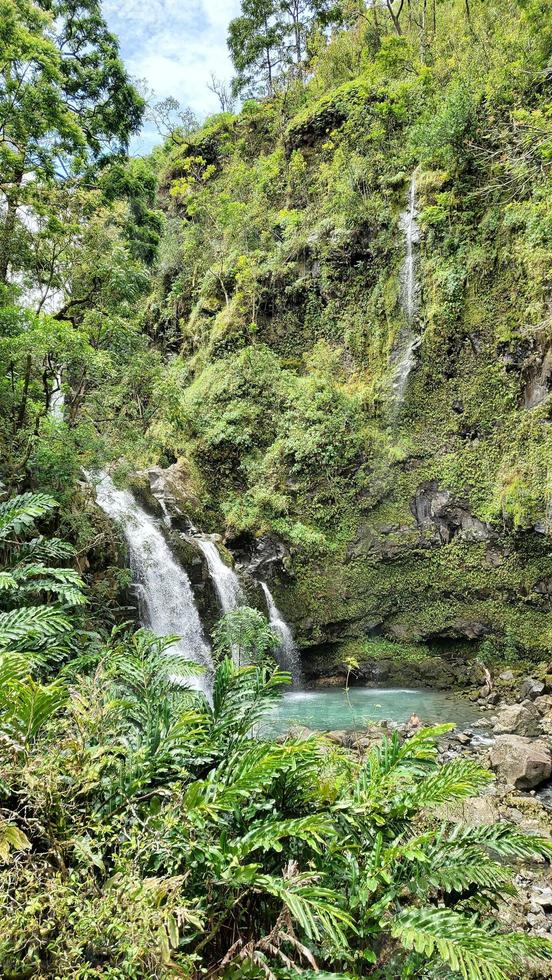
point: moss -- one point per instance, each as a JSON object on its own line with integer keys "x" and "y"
{"x": 287, "y": 408}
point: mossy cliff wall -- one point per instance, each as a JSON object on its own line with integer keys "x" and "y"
{"x": 421, "y": 518}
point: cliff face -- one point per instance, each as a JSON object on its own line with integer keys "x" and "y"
{"x": 355, "y": 281}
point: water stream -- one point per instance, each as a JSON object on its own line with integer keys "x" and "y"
{"x": 288, "y": 655}
{"x": 166, "y": 600}
{"x": 225, "y": 580}
{"x": 404, "y": 355}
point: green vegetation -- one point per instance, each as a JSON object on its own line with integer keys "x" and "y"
{"x": 233, "y": 302}
{"x": 143, "y": 831}
{"x": 231, "y": 310}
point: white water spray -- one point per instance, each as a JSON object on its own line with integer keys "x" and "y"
{"x": 225, "y": 580}
{"x": 166, "y": 599}
{"x": 288, "y": 654}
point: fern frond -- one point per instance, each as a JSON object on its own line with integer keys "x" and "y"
{"x": 32, "y": 625}
{"x": 19, "y": 513}
{"x": 268, "y": 835}
{"x": 453, "y": 781}
{"x": 465, "y": 946}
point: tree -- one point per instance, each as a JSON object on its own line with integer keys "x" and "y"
{"x": 65, "y": 100}
{"x": 223, "y": 92}
{"x": 255, "y": 40}
{"x": 269, "y": 40}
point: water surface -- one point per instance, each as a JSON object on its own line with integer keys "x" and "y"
{"x": 329, "y": 709}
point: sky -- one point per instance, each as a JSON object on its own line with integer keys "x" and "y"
{"x": 174, "y": 45}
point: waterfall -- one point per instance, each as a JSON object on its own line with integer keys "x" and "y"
{"x": 404, "y": 355}
{"x": 409, "y": 226}
{"x": 57, "y": 399}
{"x": 288, "y": 654}
{"x": 225, "y": 580}
{"x": 166, "y": 599}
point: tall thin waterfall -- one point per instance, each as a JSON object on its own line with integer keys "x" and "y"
{"x": 404, "y": 355}
{"x": 409, "y": 226}
{"x": 57, "y": 399}
{"x": 225, "y": 580}
{"x": 166, "y": 599}
{"x": 288, "y": 653}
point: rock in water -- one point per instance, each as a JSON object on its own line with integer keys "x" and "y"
{"x": 521, "y": 762}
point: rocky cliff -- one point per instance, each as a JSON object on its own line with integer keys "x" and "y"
{"x": 354, "y": 291}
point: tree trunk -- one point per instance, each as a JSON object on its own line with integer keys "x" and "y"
{"x": 6, "y": 235}
{"x": 395, "y": 17}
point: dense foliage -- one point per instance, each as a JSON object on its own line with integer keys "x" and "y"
{"x": 146, "y": 829}
{"x": 230, "y": 307}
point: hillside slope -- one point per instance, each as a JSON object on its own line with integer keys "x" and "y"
{"x": 384, "y": 430}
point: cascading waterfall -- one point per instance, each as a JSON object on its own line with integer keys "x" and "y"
{"x": 288, "y": 658}
{"x": 165, "y": 595}
{"x": 225, "y": 580}
{"x": 408, "y": 341}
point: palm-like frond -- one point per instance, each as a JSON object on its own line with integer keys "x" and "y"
{"x": 240, "y": 777}
{"x": 242, "y": 696}
{"x": 26, "y": 705}
{"x": 268, "y": 835}
{"x": 32, "y": 626}
{"x": 475, "y": 951}
{"x": 455, "y": 780}
{"x": 315, "y": 909}
{"x": 19, "y": 513}
{"x": 40, "y": 549}
{"x": 504, "y": 839}
{"x": 32, "y": 579}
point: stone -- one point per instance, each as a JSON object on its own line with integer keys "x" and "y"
{"x": 531, "y": 688}
{"x": 546, "y": 723}
{"x": 339, "y": 737}
{"x": 543, "y": 704}
{"x": 506, "y": 675}
{"x": 521, "y": 762}
{"x": 518, "y": 719}
{"x": 297, "y": 732}
{"x": 542, "y": 897}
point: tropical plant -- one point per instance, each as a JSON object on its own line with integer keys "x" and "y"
{"x": 267, "y": 859}
{"x": 41, "y": 629}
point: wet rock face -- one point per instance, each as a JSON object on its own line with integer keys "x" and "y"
{"x": 539, "y": 382}
{"x": 521, "y": 762}
{"x": 440, "y": 517}
{"x": 174, "y": 493}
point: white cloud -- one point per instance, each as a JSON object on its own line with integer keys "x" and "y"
{"x": 175, "y": 45}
